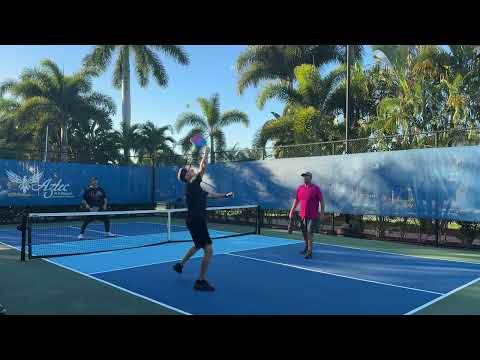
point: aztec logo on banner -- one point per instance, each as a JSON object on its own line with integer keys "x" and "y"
{"x": 31, "y": 185}
{"x": 37, "y": 183}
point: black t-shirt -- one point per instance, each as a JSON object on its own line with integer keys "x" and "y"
{"x": 196, "y": 198}
{"x": 95, "y": 197}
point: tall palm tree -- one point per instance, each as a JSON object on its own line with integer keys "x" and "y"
{"x": 155, "y": 145}
{"x": 47, "y": 97}
{"x": 147, "y": 62}
{"x": 210, "y": 124}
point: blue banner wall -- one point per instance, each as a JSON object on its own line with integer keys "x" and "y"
{"x": 36, "y": 183}
{"x": 440, "y": 183}
{"x": 428, "y": 183}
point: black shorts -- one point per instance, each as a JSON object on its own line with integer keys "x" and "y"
{"x": 309, "y": 225}
{"x": 199, "y": 232}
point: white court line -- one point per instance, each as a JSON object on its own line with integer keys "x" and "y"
{"x": 112, "y": 285}
{"x": 337, "y": 275}
{"x": 399, "y": 254}
{"x": 176, "y": 259}
{"x": 442, "y": 297}
{"x": 101, "y": 232}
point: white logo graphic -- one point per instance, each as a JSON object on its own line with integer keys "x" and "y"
{"x": 24, "y": 183}
{"x": 48, "y": 187}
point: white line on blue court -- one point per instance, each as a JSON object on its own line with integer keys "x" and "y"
{"x": 337, "y": 275}
{"x": 399, "y": 254}
{"x": 97, "y": 231}
{"x": 442, "y": 297}
{"x": 120, "y": 288}
{"x": 167, "y": 261}
{"x": 110, "y": 284}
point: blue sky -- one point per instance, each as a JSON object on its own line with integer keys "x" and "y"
{"x": 211, "y": 70}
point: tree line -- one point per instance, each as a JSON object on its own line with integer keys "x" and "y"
{"x": 406, "y": 91}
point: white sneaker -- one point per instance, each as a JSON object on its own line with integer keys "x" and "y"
{"x": 110, "y": 234}
{"x": 80, "y": 236}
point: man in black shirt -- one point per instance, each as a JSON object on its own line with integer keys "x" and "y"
{"x": 95, "y": 199}
{"x": 197, "y": 219}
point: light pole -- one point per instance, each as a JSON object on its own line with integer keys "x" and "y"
{"x": 347, "y": 100}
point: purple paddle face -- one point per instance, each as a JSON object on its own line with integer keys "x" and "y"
{"x": 198, "y": 141}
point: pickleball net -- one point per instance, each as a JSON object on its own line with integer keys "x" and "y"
{"x": 57, "y": 234}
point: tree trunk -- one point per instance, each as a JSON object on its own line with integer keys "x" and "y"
{"x": 212, "y": 150}
{"x": 126, "y": 110}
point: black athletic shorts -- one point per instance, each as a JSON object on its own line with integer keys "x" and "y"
{"x": 199, "y": 232}
{"x": 309, "y": 225}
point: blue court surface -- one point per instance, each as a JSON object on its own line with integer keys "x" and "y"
{"x": 259, "y": 275}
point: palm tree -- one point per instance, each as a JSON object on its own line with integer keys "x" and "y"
{"x": 210, "y": 124}
{"x": 362, "y": 103}
{"x": 155, "y": 146}
{"x": 47, "y": 97}
{"x": 415, "y": 73}
{"x": 258, "y": 63}
{"x": 147, "y": 62}
{"x": 9, "y": 127}
{"x": 306, "y": 117}
{"x": 128, "y": 137}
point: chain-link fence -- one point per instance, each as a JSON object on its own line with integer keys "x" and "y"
{"x": 449, "y": 138}
{"x": 373, "y": 143}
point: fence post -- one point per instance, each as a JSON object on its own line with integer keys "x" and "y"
{"x": 436, "y": 232}
{"x": 333, "y": 223}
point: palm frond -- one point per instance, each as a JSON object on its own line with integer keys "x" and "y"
{"x": 99, "y": 58}
{"x": 210, "y": 109}
{"x": 141, "y": 64}
{"x": 175, "y": 52}
{"x": 234, "y": 117}
{"x": 157, "y": 68}
{"x": 191, "y": 119}
{"x": 254, "y": 75}
{"x": 117, "y": 73}
{"x": 279, "y": 91}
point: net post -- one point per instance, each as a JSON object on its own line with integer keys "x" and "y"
{"x": 258, "y": 220}
{"x": 29, "y": 240}
{"x": 23, "y": 228}
{"x": 436, "y": 232}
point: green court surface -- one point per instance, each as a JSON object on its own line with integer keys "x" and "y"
{"x": 40, "y": 287}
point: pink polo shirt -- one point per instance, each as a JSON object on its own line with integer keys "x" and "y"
{"x": 309, "y": 196}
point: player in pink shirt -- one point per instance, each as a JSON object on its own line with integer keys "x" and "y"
{"x": 308, "y": 196}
